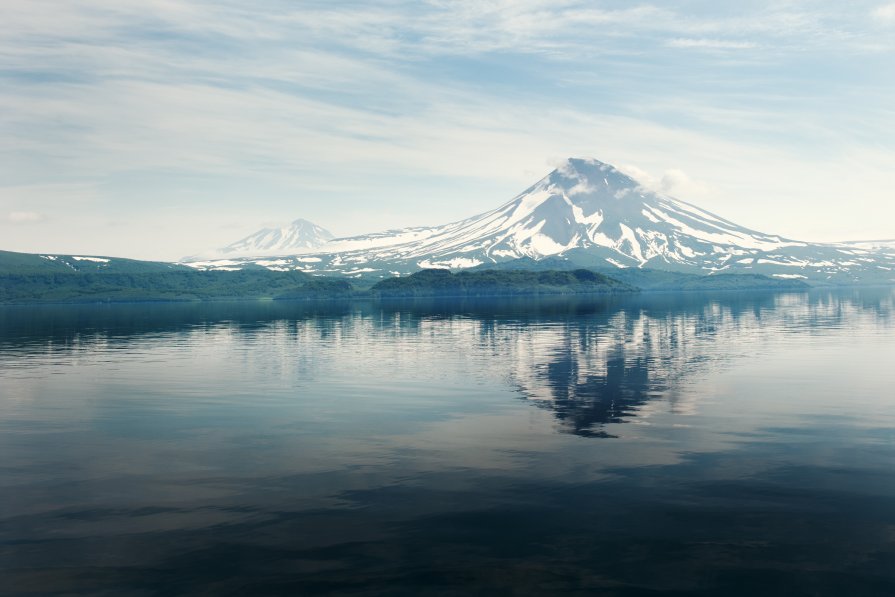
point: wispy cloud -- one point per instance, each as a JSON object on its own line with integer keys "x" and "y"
{"x": 886, "y": 12}
{"x": 673, "y": 181}
{"x": 710, "y": 44}
{"x": 24, "y": 217}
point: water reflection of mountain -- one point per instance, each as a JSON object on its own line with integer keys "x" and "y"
{"x": 606, "y": 367}
{"x": 591, "y": 362}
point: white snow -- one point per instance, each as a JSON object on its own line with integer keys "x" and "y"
{"x": 601, "y": 239}
{"x": 685, "y": 250}
{"x": 528, "y": 203}
{"x": 683, "y": 206}
{"x": 216, "y": 264}
{"x": 873, "y": 245}
{"x": 594, "y": 219}
{"x": 732, "y": 238}
{"x": 94, "y": 259}
{"x": 544, "y": 245}
{"x": 504, "y": 253}
{"x": 458, "y": 263}
{"x": 628, "y": 235}
{"x": 649, "y": 216}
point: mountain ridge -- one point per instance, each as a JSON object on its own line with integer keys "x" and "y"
{"x": 592, "y": 212}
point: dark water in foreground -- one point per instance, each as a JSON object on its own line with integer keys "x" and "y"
{"x": 655, "y": 445}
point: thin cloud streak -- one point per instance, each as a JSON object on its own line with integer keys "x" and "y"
{"x": 885, "y": 12}
{"x": 24, "y": 217}
{"x": 712, "y": 44}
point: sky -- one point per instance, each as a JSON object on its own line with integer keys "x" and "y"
{"x": 162, "y": 128}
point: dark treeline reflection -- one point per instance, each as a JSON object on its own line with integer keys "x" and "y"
{"x": 591, "y": 361}
{"x": 62, "y": 325}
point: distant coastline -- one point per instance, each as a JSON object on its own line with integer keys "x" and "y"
{"x": 26, "y": 278}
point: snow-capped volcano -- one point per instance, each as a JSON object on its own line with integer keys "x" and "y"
{"x": 583, "y": 204}
{"x": 594, "y": 214}
{"x": 301, "y": 235}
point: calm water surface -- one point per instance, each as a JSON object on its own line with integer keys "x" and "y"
{"x": 653, "y": 445}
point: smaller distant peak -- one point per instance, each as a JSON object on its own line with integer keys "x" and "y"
{"x": 308, "y": 227}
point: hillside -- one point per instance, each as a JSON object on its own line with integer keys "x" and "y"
{"x": 30, "y": 263}
{"x": 654, "y": 279}
{"x": 443, "y": 283}
{"x": 171, "y": 285}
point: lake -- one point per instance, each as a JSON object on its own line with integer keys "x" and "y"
{"x": 662, "y": 444}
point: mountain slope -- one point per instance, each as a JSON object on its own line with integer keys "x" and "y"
{"x": 301, "y": 235}
{"x": 29, "y": 263}
{"x": 592, "y": 213}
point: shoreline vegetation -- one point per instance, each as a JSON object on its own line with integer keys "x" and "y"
{"x": 28, "y": 278}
